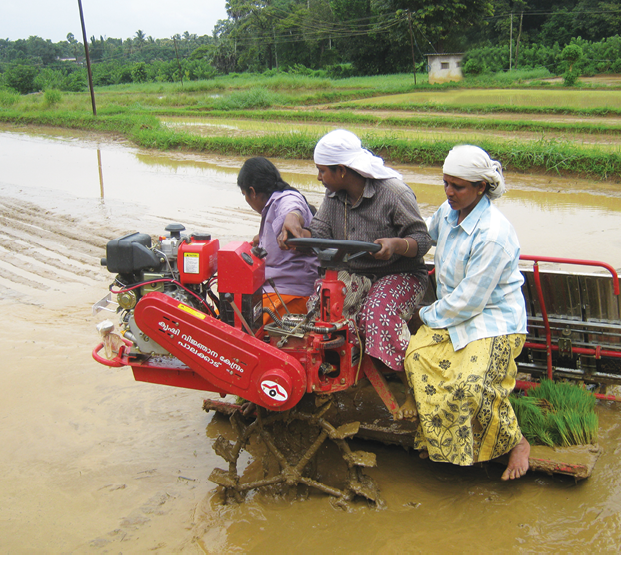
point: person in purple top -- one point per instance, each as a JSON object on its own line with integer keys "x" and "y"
{"x": 293, "y": 273}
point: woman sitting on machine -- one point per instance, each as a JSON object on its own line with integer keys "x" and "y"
{"x": 367, "y": 201}
{"x": 460, "y": 364}
{"x": 292, "y": 274}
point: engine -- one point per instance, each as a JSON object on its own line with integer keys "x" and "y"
{"x": 182, "y": 267}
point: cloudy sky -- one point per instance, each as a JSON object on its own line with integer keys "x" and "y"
{"x": 54, "y": 19}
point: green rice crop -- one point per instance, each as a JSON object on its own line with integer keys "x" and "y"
{"x": 414, "y": 121}
{"x": 557, "y": 414}
{"x": 253, "y": 98}
{"x": 479, "y": 109}
{"x": 541, "y": 156}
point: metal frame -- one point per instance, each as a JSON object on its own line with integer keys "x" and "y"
{"x": 575, "y": 318}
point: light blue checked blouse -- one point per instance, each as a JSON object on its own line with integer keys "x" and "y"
{"x": 477, "y": 275}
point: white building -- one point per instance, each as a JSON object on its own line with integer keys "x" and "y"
{"x": 444, "y": 67}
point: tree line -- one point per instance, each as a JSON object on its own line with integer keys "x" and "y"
{"x": 341, "y": 37}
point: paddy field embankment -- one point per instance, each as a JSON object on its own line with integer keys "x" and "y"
{"x": 536, "y": 127}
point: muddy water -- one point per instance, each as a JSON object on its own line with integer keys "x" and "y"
{"x": 96, "y": 463}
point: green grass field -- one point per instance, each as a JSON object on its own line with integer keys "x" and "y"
{"x": 529, "y": 127}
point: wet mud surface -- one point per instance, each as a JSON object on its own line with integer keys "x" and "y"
{"x": 96, "y": 463}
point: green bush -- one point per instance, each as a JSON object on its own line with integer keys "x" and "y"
{"x": 254, "y": 98}
{"x": 139, "y": 72}
{"x": 21, "y": 78}
{"x": 8, "y": 98}
{"x": 76, "y": 82}
{"x": 473, "y": 67}
{"x": 345, "y": 70}
{"x": 570, "y": 78}
{"x": 53, "y": 97}
{"x": 572, "y": 54}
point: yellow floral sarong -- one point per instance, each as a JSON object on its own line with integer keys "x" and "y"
{"x": 463, "y": 397}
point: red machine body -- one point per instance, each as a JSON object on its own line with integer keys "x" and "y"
{"x": 229, "y": 360}
{"x": 197, "y": 259}
{"x": 236, "y": 354}
{"x": 240, "y": 271}
{"x": 230, "y": 351}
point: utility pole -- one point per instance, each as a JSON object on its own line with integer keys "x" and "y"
{"x": 511, "y": 43}
{"x": 178, "y": 63}
{"x": 412, "y": 44}
{"x": 517, "y": 46}
{"x": 88, "y": 59}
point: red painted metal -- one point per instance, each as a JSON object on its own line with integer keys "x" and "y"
{"x": 220, "y": 358}
{"x": 197, "y": 260}
{"x": 118, "y": 361}
{"x": 613, "y": 272}
{"x": 239, "y": 271}
{"x": 379, "y": 383}
{"x": 536, "y": 260}
{"x": 332, "y": 297}
{"x": 597, "y": 352}
{"x": 549, "y": 347}
{"x": 228, "y": 359}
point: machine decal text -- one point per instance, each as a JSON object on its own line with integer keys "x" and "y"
{"x": 206, "y": 353}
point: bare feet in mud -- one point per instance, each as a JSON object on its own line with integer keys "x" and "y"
{"x": 518, "y": 461}
{"x": 408, "y": 410}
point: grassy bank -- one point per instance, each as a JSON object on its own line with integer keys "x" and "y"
{"x": 282, "y": 101}
{"x": 541, "y": 156}
{"x": 480, "y": 109}
{"x": 414, "y": 121}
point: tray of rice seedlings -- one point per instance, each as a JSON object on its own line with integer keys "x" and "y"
{"x": 557, "y": 414}
{"x": 559, "y": 421}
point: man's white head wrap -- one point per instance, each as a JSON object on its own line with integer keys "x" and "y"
{"x": 474, "y": 165}
{"x": 341, "y": 147}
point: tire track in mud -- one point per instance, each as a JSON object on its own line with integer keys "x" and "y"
{"x": 222, "y": 223}
{"x": 47, "y": 258}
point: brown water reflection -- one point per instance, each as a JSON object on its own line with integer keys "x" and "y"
{"x": 93, "y": 462}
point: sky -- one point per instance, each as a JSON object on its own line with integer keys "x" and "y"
{"x": 54, "y": 19}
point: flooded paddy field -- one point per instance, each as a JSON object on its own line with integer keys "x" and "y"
{"x": 214, "y": 127}
{"x": 96, "y": 463}
{"x": 584, "y": 99}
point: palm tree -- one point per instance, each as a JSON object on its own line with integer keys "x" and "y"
{"x": 140, "y": 39}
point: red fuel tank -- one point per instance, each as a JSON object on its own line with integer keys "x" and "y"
{"x": 197, "y": 260}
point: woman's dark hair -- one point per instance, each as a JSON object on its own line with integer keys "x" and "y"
{"x": 264, "y": 177}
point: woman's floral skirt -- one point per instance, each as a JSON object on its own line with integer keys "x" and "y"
{"x": 463, "y": 397}
{"x": 378, "y": 312}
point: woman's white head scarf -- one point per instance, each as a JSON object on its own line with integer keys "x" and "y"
{"x": 341, "y": 147}
{"x": 474, "y": 165}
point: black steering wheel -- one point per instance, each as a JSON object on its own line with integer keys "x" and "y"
{"x": 334, "y": 253}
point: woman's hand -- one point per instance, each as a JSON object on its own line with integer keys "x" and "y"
{"x": 395, "y": 246}
{"x": 292, "y": 228}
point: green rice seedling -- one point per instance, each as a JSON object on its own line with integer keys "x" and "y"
{"x": 557, "y": 414}
{"x": 532, "y": 418}
{"x": 589, "y": 424}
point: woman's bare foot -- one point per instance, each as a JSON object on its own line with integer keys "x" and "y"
{"x": 423, "y": 454}
{"x": 408, "y": 409}
{"x": 518, "y": 461}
